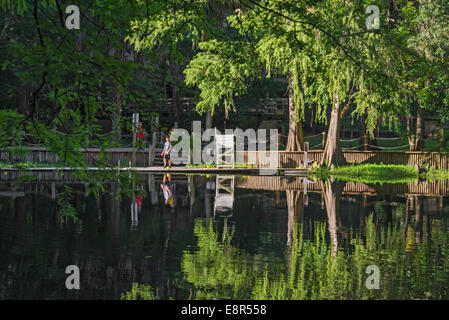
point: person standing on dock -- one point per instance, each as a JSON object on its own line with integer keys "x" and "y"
{"x": 166, "y": 152}
{"x": 140, "y": 136}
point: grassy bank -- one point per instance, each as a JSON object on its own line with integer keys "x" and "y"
{"x": 25, "y": 165}
{"x": 369, "y": 173}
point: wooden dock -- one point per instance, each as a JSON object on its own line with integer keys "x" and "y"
{"x": 282, "y": 159}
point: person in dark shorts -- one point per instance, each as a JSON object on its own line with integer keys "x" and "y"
{"x": 166, "y": 152}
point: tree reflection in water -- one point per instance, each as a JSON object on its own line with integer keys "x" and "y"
{"x": 322, "y": 269}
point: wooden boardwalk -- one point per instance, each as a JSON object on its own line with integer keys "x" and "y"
{"x": 268, "y": 159}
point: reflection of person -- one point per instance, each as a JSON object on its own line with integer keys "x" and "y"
{"x": 138, "y": 200}
{"x": 140, "y": 136}
{"x": 136, "y": 207}
{"x": 166, "y": 152}
{"x": 167, "y": 189}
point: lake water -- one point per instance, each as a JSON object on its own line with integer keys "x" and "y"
{"x": 259, "y": 238}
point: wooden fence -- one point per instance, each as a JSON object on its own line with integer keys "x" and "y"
{"x": 286, "y": 159}
{"x": 91, "y": 155}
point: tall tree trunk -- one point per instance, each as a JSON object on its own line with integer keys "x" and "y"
{"x": 419, "y": 142}
{"x": 333, "y": 155}
{"x": 295, "y": 135}
{"x": 416, "y": 131}
{"x": 411, "y": 132}
{"x": 208, "y": 120}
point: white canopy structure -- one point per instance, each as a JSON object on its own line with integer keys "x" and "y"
{"x": 224, "y": 150}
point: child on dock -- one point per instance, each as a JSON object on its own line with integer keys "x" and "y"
{"x": 166, "y": 152}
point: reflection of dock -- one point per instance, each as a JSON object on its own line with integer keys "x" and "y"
{"x": 12, "y": 194}
{"x": 41, "y": 171}
{"x": 437, "y": 188}
{"x": 224, "y": 194}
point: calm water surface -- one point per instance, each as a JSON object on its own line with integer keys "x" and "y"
{"x": 260, "y": 238}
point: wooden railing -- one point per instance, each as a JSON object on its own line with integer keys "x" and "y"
{"x": 286, "y": 159}
{"x": 44, "y": 155}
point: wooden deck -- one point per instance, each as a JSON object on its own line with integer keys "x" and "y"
{"x": 281, "y": 159}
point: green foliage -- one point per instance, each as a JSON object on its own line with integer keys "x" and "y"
{"x": 18, "y": 6}
{"x": 65, "y": 207}
{"x": 139, "y": 292}
{"x": 435, "y": 174}
{"x": 11, "y": 128}
{"x": 221, "y": 71}
{"x": 427, "y": 34}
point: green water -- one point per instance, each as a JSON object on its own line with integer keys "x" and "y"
{"x": 269, "y": 245}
